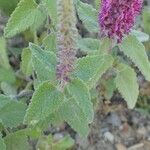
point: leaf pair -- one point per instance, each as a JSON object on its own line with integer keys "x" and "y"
{"x": 126, "y": 80}
{"x": 48, "y": 101}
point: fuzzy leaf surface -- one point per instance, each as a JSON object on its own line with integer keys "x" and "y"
{"x": 44, "y": 63}
{"x": 135, "y": 50}
{"x": 88, "y": 15}
{"x": 45, "y": 101}
{"x": 79, "y": 91}
{"x": 11, "y": 111}
{"x": 126, "y": 82}
{"x": 91, "y": 68}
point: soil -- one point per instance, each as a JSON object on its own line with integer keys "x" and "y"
{"x": 120, "y": 129}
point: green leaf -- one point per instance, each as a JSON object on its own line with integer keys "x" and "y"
{"x": 11, "y": 111}
{"x": 75, "y": 117}
{"x": 91, "y": 68}
{"x": 8, "y": 89}
{"x": 44, "y": 63}
{"x": 52, "y": 9}
{"x": 7, "y": 75}
{"x": 2, "y": 144}
{"x": 40, "y": 17}
{"x": 50, "y": 42}
{"x": 4, "y": 62}
{"x": 88, "y": 44}
{"x": 136, "y": 52}
{"x": 141, "y": 36}
{"x": 17, "y": 141}
{"x": 26, "y": 64}
{"x": 22, "y": 18}
{"x": 110, "y": 87}
{"x": 45, "y": 101}
{"x": 97, "y": 3}
{"x": 88, "y": 15}
{"x": 146, "y": 22}
{"x": 78, "y": 90}
{"x": 126, "y": 82}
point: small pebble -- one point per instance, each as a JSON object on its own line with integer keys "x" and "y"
{"x": 109, "y": 137}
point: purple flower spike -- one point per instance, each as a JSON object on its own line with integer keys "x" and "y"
{"x": 117, "y": 17}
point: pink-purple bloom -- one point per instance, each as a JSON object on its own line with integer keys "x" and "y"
{"x": 117, "y": 17}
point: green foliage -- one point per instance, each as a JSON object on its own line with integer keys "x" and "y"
{"x": 25, "y": 15}
{"x": 26, "y": 64}
{"x": 126, "y": 82}
{"x": 72, "y": 113}
{"x": 52, "y": 9}
{"x": 8, "y": 89}
{"x": 3, "y": 54}
{"x": 141, "y": 36}
{"x": 49, "y": 143}
{"x": 17, "y": 141}
{"x": 91, "y": 68}
{"x": 11, "y": 111}
{"x": 45, "y": 101}
{"x": 2, "y": 144}
{"x": 89, "y": 18}
{"x": 7, "y": 75}
{"x": 146, "y": 21}
{"x": 78, "y": 90}
{"x": 88, "y": 44}
{"x": 44, "y": 63}
{"x": 136, "y": 52}
{"x": 50, "y": 42}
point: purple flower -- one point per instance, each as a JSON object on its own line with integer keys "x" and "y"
{"x": 117, "y": 17}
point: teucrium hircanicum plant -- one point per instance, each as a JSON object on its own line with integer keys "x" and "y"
{"x": 62, "y": 82}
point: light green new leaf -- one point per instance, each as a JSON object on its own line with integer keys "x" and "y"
{"x": 26, "y": 64}
{"x": 2, "y": 144}
{"x": 52, "y": 9}
{"x": 22, "y": 18}
{"x": 45, "y": 101}
{"x": 17, "y": 141}
{"x": 7, "y": 75}
{"x": 88, "y": 15}
{"x": 11, "y": 111}
{"x": 91, "y": 68}
{"x": 44, "y": 63}
{"x": 78, "y": 90}
{"x": 135, "y": 50}
{"x": 75, "y": 117}
{"x": 126, "y": 82}
{"x": 88, "y": 44}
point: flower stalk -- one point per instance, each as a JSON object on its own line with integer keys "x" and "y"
{"x": 66, "y": 40}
